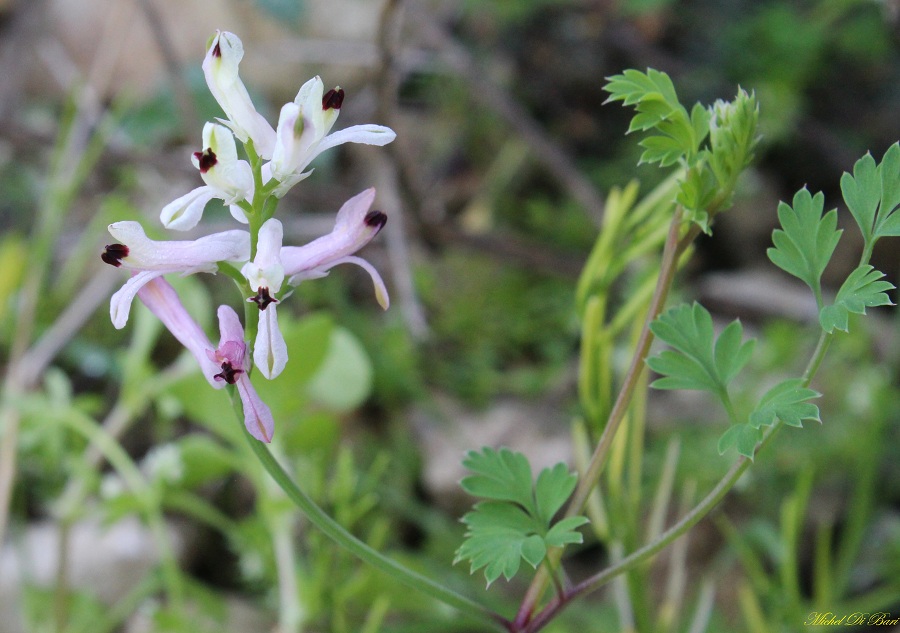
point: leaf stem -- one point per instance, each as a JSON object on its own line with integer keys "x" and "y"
{"x": 332, "y": 529}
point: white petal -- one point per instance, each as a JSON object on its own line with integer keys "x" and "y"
{"x": 367, "y": 134}
{"x": 231, "y": 178}
{"x": 120, "y": 302}
{"x": 220, "y": 140}
{"x": 220, "y": 66}
{"x": 230, "y": 328}
{"x": 270, "y": 351}
{"x": 183, "y": 214}
{"x": 184, "y": 256}
{"x": 238, "y": 214}
{"x": 287, "y": 142}
{"x": 233, "y": 182}
{"x": 309, "y": 100}
{"x": 266, "y": 271}
{"x": 381, "y": 293}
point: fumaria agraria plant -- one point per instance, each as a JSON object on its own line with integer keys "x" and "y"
{"x": 518, "y": 517}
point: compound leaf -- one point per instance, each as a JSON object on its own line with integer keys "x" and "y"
{"x": 806, "y": 240}
{"x": 516, "y": 523}
{"x": 862, "y": 289}
{"x": 786, "y": 401}
{"x": 633, "y": 86}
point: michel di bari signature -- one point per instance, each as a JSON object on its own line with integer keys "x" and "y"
{"x": 857, "y": 618}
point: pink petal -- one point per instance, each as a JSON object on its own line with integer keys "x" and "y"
{"x": 257, "y": 415}
{"x": 162, "y": 300}
{"x": 352, "y": 231}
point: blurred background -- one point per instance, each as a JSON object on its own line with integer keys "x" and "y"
{"x": 495, "y": 192}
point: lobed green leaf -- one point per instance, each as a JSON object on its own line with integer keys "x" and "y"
{"x": 554, "y": 486}
{"x": 563, "y": 533}
{"x": 806, "y": 240}
{"x": 862, "y": 289}
{"x": 653, "y": 96}
{"x": 743, "y": 437}
{"x": 503, "y": 475}
{"x": 786, "y": 401}
{"x": 515, "y": 524}
{"x": 872, "y": 195}
{"x": 700, "y": 362}
{"x": 633, "y": 86}
{"x": 499, "y": 536}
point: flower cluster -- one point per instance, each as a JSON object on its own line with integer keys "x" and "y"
{"x": 267, "y": 270}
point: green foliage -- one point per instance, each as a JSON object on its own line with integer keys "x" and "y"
{"x": 787, "y": 402}
{"x": 862, "y": 289}
{"x": 702, "y": 362}
{"x": 732, "y": 136}
{"x": 482, "y": 343}
{"x": 872, "y": 194}
{"x": 516, "y": 521}
{"x": 743, "y": 437}
{"x": 711, "y": 171}
{"x": 806, "y": 240}
{"x": 697, "y": 194}
{"x": 653, "y": 94}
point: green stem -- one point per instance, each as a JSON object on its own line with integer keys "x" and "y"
{"x": 728, "y": 405}
{"x": 333, "y": 530}
{"x": 817, "y": 356}
{"x": 671, "y": 251}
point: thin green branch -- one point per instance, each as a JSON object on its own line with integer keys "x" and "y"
{"x": 332, "y": 529}
{"x": 671, "y": 252}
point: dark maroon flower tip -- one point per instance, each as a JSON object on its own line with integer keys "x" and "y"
{"x": 229, "y": 374}
{"x": 262, "y": 298}
{"x": 333, "y": 99}
{"x": 217, "y": 52}
{"x": 207, "y": 159}
{"x": 376, "y": 219}
{"x": 114, "y": 253}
